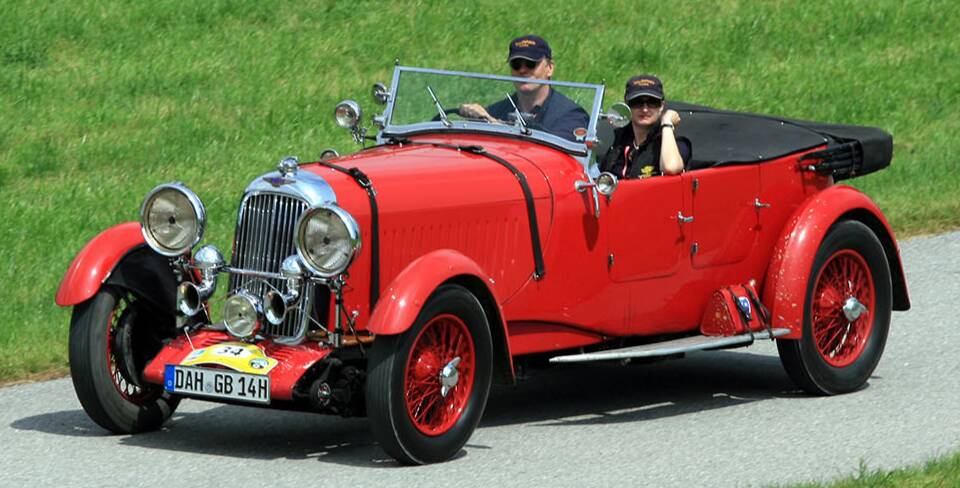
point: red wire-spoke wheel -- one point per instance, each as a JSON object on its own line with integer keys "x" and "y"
{"x": 427, "y": 387}
{"x": 439, "y": 376}
{"x": 121, "y": 358}
{"x": 112, "y": 337}
{"x": 841, "y": 318}
{"x": 847, "y": 313}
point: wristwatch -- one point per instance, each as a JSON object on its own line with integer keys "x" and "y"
{"x": 664, "y": 126}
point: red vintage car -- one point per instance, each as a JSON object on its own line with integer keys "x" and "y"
{"x": 401, "y": 281}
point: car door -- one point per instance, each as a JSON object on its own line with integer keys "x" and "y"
{"x": 645, "y": 239}
{"x": 725, "y": 219}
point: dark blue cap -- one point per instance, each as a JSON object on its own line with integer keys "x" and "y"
{"x": 529, "y": 47}
{"x": 643, "y": 85}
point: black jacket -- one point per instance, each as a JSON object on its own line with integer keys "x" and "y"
{"x": 643, "y": 161}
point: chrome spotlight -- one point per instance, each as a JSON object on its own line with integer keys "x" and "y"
{"x": 348, "y": 114}
{"x": 209, "y": 260}
{"x": 606, "y": 183}
{"x": 190, "y": 296}
{"x": 380, "y": 93}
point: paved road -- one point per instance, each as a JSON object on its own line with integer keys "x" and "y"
{"x": 729, "y": 418}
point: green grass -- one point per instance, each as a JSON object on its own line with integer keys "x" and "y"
{"x": 102, "y": 100}
{"x": 939, "y": 473}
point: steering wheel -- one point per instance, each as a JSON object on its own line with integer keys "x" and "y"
{"x": 446, "y": 111}
{"x": 456, "y": 111}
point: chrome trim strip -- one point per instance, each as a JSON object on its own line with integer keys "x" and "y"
{"x": 676, "y": 346}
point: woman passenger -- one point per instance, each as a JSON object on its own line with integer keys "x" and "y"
{"x": 648, "y": 146}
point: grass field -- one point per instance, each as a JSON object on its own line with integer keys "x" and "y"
{"x": 939, "y": 473}
{"x": 100, "y": 101}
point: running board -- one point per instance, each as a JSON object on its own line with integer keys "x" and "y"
{"x": 676, "y": 346}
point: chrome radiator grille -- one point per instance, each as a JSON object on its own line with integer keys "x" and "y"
{"x": 263, "y": 240}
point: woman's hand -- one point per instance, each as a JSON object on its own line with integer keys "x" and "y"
{"x": 670, "y": 117}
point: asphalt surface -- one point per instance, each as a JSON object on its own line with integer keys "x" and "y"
{"x": 726, "y": 418}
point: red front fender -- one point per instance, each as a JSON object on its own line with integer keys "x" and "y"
{"x": 786, "y": 284}
{"x": 96, "y": 261}
{"x": 402, "y": 300}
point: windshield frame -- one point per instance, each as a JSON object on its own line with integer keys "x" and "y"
{"x": 581, "y": 148}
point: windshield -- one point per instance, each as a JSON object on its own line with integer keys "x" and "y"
{"x": 558, "y": 113}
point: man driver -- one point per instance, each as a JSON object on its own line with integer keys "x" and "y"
{"x": 544, "y": 108}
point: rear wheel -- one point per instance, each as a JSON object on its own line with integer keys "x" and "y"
{"x": 112, "y": 338}
{"x": 427, "y": 387}
{"x": 846, "y": 313}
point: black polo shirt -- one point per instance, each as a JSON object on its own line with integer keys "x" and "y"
{"x": 628, "y": 161}
{"x": 558, "y": 115}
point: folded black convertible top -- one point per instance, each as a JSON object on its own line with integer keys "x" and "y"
{"x": 722, "y": 137}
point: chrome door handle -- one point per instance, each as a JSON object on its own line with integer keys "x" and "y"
{"x": 582, "y": 186}
{"x": 758, "y": 204}
{"x": 684, "y": 220}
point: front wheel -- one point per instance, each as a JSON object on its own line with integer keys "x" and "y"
{"x": 846, "y": 313}
{"x": 427, "y": 387}
{"x": 112, "y": 338}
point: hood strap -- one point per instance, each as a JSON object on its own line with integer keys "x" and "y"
{"x": 364, "y": 181}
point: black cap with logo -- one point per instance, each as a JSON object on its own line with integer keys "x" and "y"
{"x": 529, "y": 47}
{"x": 643, "y": 85}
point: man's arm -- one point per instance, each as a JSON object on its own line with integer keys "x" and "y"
{"x": 494, "y": 113}
{"x": 671, "y": 162}
{"x": 476, "y": 111}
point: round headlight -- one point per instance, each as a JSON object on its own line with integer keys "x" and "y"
{"x": 241, "y": 315}
{"x": 347, "y": 114}
{"x": 327, "y": 239}
{"x": 172, "y": 219}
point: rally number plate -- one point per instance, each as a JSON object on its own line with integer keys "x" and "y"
{"x": 217, "y": 383}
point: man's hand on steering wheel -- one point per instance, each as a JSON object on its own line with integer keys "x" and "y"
{"x": 476, "y": 112}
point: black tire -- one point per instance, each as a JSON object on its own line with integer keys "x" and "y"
{"x": 857, "y": 351}
{"x": 387, "y": 393}
{"x": 108, "y": 379}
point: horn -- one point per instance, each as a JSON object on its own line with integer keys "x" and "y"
{"x": 189, "y": 301}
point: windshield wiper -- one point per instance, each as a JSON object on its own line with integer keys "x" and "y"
{"x": 440, "y": 110}
{"x": 520, "y": 120}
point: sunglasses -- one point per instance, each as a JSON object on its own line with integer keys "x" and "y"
{"x": 649, "y": 102}
{"x": 516, "y": 64}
